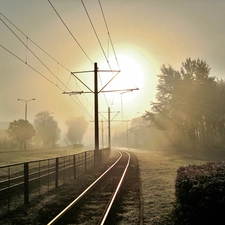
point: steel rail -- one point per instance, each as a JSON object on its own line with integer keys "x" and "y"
{"x": 62, "y": 213}
{"x": 108, "y": 207}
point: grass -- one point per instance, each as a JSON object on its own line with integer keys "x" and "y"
{"x": 18, "y": 156}
{"x": 157, "y": 170}
{"x": 158, "y": 174}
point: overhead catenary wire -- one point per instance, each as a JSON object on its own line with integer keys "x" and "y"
{"x": 77, "y": 41}
{"x": 84, "y": 95}
{"x": 33, "y": 42}
{"x": 70, "y": 32}
{"x": 95, "y": 33}
{"x": 27, "y": 38}
{"x": 104, "y": 93}
{"x": 30, "y": 66}
{"x": 101, "y": 44}
{"x": 79, "y": 104}
{"x": 31, "y": 51}
{"x": 106, "y": 58}
{"x": 109, "y": 34}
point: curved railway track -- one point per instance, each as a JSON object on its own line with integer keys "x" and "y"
{"x": 95, "y": 204}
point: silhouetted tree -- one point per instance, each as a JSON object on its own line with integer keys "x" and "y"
{"x": 187, "y": 104}
{"x": 137, "y": 128}
{"x": 20, "y": 130}
{"x": 77, "y": 127}
{"x": 47, "y": 130}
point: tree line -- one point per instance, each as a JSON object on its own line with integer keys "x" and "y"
{"x": 189, "y": 106}
{"x": 44, "y": 133}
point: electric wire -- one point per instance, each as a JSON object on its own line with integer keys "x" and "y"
{"x": 58, "y": 63}
{"x": 103, "y": 93}
{"x": 29, "y": 66}
{"x": 109, "y": 33}
{"x": 73, "y": 38}
{"x": 33, "y": 42}
{"x": 27, "y": 38}
{"x": 70, "y": 31}
{"x": 99, "y": 44}
{"x": 95, "y": 33}
{"x": 80, "y": 104}
{"x": 84, "y": 94}
{"x": 109, "y": 39}
{"x": 31, "y": 51}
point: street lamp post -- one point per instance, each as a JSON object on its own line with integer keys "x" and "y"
{"x": 26, "y": 101}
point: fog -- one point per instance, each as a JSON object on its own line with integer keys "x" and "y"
{"x": 150, "y": 33}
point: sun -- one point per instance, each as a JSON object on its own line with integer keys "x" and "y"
{"x": 127, "y": 83}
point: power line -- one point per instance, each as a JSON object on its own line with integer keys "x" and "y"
{"x": 84, "y": 95}
{"x": 81, "y": 105}
{"x": 95, "y": 33}
{"x": 36, "y": 57}
{"x": 32, "y": 52}
{"x": 69, "y": 31}
{"x": 104, "y": 93}
{"x": 33, "y": 42}
{"x": 58, "y": 63}
{"x": 109, "y": 34}
{"x": 30, "y": 66}
{"x": 101, "y": 44}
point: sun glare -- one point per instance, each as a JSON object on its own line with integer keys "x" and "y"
{"x": 126, "y": 82}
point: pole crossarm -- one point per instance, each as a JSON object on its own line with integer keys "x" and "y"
{"x": 73, "y": 73}
{"x": 95, "y": 91}
{"x": 76, "y": 92}
{"x": 111, "y": 79}
{"x": 125, "y": 90}
{"x": 112, "y": 71}
{"x": 89, "y": 71}
{"x": 88, "y": 92}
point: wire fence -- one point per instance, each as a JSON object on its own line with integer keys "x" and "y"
{"x": 24, "y": 182}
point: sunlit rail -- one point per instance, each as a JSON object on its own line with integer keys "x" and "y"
{"x": 21, "y": 183}
{"x": 116, "y": 166}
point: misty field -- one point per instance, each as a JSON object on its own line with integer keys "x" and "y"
{"x": 157, "y": 171}
{"x": 19, "y": 156}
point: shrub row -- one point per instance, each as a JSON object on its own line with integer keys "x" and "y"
{"x": 200, "y": 194}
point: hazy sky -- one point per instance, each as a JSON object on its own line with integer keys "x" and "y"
{"x": 145, "y": 35}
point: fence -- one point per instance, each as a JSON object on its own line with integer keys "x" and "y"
{"x": 23, "y": 182}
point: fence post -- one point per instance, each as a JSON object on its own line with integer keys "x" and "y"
{"x": 74, "y": 166}
{"x": 26, "y": 183}
{"x": 85, "y": 162}
{"x": 56, "y": 172}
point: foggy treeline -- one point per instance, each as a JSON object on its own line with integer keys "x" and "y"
{"x": 190, "y": 106}
{"x": 44, "y": 133}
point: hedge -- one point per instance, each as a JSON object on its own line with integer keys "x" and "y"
{"x": 200, "y": 194}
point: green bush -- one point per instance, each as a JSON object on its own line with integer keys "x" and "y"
{"x": 200, "y": 194}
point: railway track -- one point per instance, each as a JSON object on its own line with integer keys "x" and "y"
{"x": 95, "y": 204}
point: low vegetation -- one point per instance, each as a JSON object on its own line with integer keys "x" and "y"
{"x": 200, "y": 194}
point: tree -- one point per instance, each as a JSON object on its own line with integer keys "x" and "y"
{"x": 185, "y": 106}
{"x": 21, "y": 130}
{"x": 138, "y": 130}
{"x": 77, "y": 127}
{"x": 48, "y": 132}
